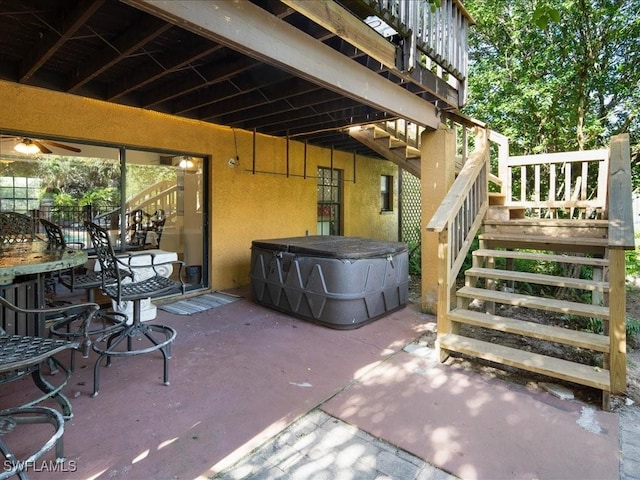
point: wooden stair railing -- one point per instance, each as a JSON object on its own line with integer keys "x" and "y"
{"x": 506, "y": 242}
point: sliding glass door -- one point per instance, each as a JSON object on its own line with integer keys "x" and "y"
{"x": 148, "y": 200}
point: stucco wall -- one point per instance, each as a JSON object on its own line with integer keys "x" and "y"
{"x": 244, "y": 206}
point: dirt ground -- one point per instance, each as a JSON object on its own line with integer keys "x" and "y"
{"x": 534, "y": 381}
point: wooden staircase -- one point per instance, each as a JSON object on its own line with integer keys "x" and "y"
{"x": 495, "y": 280}
{"x": 568, "y": 211}
{"x": 399, "y": 142}
{"x": 396, "y": 141}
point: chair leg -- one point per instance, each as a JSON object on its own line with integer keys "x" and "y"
{"x": 138, "y": 330}
{"x": 53, "y": 392}
{"x": 12, "y": 417}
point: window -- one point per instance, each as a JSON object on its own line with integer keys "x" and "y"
{"x": 386, "y": 193}
{"x": 329, "y": 201}
{"x": 19, "y": 194}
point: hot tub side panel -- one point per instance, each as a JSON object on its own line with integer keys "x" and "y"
{"x": 337, "y": 293}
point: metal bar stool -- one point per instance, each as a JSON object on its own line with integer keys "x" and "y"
{"x": 121, "y": 285}
{"x": 69, "y": 328}
{"x": 12, "y": 418}
{"x": 21, "y": 355}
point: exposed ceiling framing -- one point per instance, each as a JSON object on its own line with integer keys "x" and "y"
{"x": 293, "y": 77}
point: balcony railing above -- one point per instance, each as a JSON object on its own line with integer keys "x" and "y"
{"x": 435, "y": 38}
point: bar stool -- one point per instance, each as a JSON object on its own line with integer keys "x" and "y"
{"x": 13, "y": 417}
{"x": 120, "y": 283}
{"x": 68, "y": 327}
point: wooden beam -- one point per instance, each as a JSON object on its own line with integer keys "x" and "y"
{"x": 55, "y": 38}
{"x": 342, "y": 23}
{"x": 253, "y": 31}
{"x": 119, "y": 48}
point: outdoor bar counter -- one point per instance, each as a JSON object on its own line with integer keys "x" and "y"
{"x": 338, "y": 282}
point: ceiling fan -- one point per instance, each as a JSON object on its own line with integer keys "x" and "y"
{"x": 31, "y": 146}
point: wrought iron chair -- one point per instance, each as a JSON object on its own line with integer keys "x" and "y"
{"x": 145, "y": 230}
{"x": 11, "y": 418}
{"x": 68, "y": 327}
{"x": 121, "y": 283}
{"x": 22, "y": 355}
{"x": 16, "y": 227}
{"x": 88, "y": 281}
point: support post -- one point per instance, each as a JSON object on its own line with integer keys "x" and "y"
{"x": 617, "y": 321}
{"x": 437, "y": 171}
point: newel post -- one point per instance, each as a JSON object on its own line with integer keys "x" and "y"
{"x": 437, "y": 165}
{"x": 621, "y": 238}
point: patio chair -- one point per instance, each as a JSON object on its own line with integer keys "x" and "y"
{"x": 21, "y": 355}
{"x": 123, "y": 282}
{"x": 16, "y": 227}
{"x": 68, "y": 327}
{"x": 11, "y": 418}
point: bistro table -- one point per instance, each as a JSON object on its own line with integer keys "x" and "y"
{"x": 22, "y": 269}
{"x": 35, "y": 258}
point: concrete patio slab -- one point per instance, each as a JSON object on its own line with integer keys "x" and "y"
{"x": 240, "y": 374}
{"x": 479, "y": 428}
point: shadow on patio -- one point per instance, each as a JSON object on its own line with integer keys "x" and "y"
{"x": 240, "y": 373}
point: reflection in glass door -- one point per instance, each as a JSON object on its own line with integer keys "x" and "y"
{"x": 164, "y": 207}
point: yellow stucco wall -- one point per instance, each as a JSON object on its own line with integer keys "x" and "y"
{"x": 244, "y": 206}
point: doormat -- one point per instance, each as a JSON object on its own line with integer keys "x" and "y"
{"x": 192, "y": 305}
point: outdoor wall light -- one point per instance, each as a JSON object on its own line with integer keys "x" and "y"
{"x": 27, "y": 147}
{"x": 186, "y": 163}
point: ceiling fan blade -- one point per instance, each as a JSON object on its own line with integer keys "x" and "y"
{"x": 42, "y": 148}
{"x": 62, "y": 145}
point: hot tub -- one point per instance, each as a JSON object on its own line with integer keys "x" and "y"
{"x": 338, "y": 282}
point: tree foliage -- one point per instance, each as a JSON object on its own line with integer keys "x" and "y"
{"x": 556, "y": 76}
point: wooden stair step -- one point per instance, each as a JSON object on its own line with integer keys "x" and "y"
{"x": 497, "y": 198}
{"x": 503, "y": 213}
{"x": 413, "y": 152}
{"x": 544, "y": 239}
{"x": 530, "y": 301}
{"x": 538, "y": 278}
{"x": 565, "y": 336}
{"x": 533, "y": 362}
{"x": 547, "y": 257}
{"x": 379, "y": 134}
{"x": 548, "y": 222}
{"x": 545, "y": 242}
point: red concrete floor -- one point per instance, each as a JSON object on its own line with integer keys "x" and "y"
{"x": 241, "y": 373}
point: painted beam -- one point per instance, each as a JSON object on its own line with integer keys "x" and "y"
{"x": 249, "y": 29}
{"x": 342, "y": 23}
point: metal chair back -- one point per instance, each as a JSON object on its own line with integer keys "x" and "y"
{"x": 16, "y": 227}
{"x": 55, "y": 235}
{"x": 109, "y": 264}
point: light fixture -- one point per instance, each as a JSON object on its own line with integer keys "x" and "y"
{"x": 27, "y": 147}
{"x": 186, "y": 163}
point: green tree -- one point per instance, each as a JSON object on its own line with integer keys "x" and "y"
{"x": 81, "y": 180}
{"x": 556, "y": 76}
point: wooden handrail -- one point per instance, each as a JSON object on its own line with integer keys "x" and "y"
{"x": 458, "y": 192}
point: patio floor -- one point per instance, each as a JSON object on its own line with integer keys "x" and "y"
{"x": 241, "y": 373}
